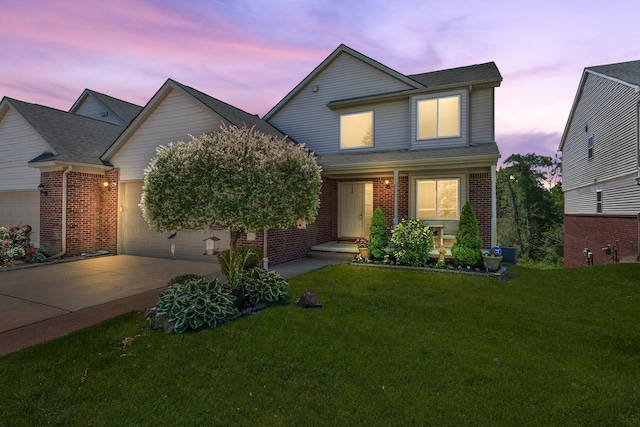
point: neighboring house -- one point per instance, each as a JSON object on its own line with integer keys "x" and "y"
{"x": 36, "y": 144}
{"x": 417, "y": 146}
{"x": 173, "y": 114}
{"x": 601, "y": 167}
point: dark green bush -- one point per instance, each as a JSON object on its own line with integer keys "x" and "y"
{"x": 260, "y": 285}
{"x": 378, "y": 235}
{"x": 196, "y": 303}
{"x": 466, "y": 249}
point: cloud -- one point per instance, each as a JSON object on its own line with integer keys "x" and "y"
{"x": 540, "y": 143}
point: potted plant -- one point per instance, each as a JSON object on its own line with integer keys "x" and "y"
{"x": 492, "y": 258}
{"x": 363, "y": 247}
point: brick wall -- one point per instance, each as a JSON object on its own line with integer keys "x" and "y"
{"x": 91, "y": 213}
{"x": 480, "y": 199}
{"x": 601, "y": 230}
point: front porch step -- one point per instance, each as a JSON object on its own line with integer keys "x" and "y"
{"x": 334, "y": 256}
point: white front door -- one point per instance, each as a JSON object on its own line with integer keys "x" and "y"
{"x": 351, "y": 207}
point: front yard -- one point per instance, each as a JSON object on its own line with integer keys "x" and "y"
{"x": 389, "y": 347}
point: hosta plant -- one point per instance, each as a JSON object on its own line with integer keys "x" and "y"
{"x": 411, "y": 241}
{"x": 261, "y": 285}
{"x": 195, "y": 303}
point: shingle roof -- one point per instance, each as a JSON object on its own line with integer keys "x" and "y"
{"x": 230, "y": 113}
{"x": 626, "y": 71}
{"x": 74, "y": 138}
{"x": 462, "y": 75}
{"x": 123, "y": 109}
{"x": 380, "y": 159}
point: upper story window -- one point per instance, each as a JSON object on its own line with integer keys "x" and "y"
{"x": 590, "y": 147}
{"x": 437, "y": 198}
{"x": 439, "y": 117}
{"x": 356, "y": 130}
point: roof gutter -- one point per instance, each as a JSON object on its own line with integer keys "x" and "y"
{"x": 63, "y": 250}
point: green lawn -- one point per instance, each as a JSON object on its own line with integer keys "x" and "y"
{"x": 390, "y": 347}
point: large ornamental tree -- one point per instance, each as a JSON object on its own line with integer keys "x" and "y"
{"x": 236, "y": 178}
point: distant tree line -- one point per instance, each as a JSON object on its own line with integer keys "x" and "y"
{"x": 530, "y": 207}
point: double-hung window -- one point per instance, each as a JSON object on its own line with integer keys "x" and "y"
{"x": 599, "y": 201}
{"x": 437, "y": 198}
{"x": 590, "y": 147}
{"x": 356, "y": 130}
{"x": 439, "y": 117}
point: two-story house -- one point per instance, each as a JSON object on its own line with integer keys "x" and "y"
{"x": 601, "y": 167}
{"x": 417, "y": 146}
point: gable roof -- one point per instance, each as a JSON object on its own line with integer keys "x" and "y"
{"x": 124, "y": 110}
{"x": 625, "y": 73}
{"x": 226, "y": 112}
{"x": 72, "y": 138}
{"x": 478, "y": 74}
{"x": 342, "y": 49}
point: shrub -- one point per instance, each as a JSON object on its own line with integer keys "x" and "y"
{"x": 411, "y": 242}
{"x": 183, "y": 278}
{"x": 195, "y": 303}
{"x": 466, "y": 249}
{"x": 15, "y": 244}
{"x": 378, "y": 235}
{"x": 261, "y": 285}
{"x": 245, "y": 258}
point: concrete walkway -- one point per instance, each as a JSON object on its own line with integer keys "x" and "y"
{"x": 43, "y": 302}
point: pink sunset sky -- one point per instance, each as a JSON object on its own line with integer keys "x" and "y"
{"x": 251, "y": 53}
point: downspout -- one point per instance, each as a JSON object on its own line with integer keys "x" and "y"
{"x": 395, "y": 197}
{"x": 64, "y": 214}
{"x": 265, "y": 259}
{"x": 494, "y": 209}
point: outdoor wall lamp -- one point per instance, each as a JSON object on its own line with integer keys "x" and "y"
{"x": 387, "y": 183}
{"x": 108, "y": 185}
{"x": 42, "y": 190}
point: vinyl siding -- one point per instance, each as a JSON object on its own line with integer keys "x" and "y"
{"x": 607, "y": 111}
{"x": 19, "y": 143}
{"x": 482, "y": 120}
{"x": 92, "y": 107}
{"x": 307, "y": 119}
{"x": 174, "y": 119}
{"x": 21, "y": 207}
{"x": 619, "y": 196}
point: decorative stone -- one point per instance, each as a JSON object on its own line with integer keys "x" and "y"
{"x": 309, "y": 299}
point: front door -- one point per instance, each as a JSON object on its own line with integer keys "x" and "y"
{"x": 351, "y": 207}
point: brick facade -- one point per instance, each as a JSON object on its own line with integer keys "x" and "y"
{"x": 596, "y": 232}
{"x": 91, "y": 213}
{"x": 480, "y": 199}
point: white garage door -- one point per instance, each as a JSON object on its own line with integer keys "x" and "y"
{"x": 140, "y": 239}
{"x": 21, "y": 207}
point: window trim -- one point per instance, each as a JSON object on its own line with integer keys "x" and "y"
{"x": 372, "y": 113}
{"x": 437, "y": 99}
{"x": 436, "y": 218}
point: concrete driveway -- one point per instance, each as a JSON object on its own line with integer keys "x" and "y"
{"x": 43, "y": 302}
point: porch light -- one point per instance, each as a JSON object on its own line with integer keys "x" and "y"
{"x": 42, "y": 190}
{"x": 387, "y": 183}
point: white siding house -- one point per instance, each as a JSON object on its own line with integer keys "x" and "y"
{"x": 600, "y": 166}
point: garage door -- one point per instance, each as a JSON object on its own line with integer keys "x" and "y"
{"x": 21, "y": 207}
{"x": 140, "y": 239}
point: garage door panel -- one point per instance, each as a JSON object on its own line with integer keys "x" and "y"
{"x": 21, "y": 207}
{"x": 140, "y": 239}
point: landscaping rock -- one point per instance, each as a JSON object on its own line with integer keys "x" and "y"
{"x": 310, "y": 299}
